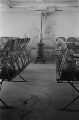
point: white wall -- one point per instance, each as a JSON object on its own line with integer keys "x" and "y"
{"x": 67, "y": 24}
{"x": 64, "y": 23}
{"x": 17, "y": 23}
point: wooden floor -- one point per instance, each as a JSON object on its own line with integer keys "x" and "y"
{"x": 40, "y": 98}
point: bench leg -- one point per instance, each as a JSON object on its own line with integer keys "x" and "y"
{"x": 74, "y": 99}
{"x": 71, "y": 102}
{"x": 19, "y": 80}
{"x": 5, "y": 105}
{"x": 23, "y": 78}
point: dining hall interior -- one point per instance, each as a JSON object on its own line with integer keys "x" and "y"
{"x": 39, "y": 59}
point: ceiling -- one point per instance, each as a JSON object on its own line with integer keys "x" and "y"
{"x": 38, "y": 4}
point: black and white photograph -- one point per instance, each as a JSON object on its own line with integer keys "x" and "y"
{"x": 39, "y": 59}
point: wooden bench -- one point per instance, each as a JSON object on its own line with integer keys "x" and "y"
{"x": 14, "y": 58}
{"x": 67, "y": 69}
